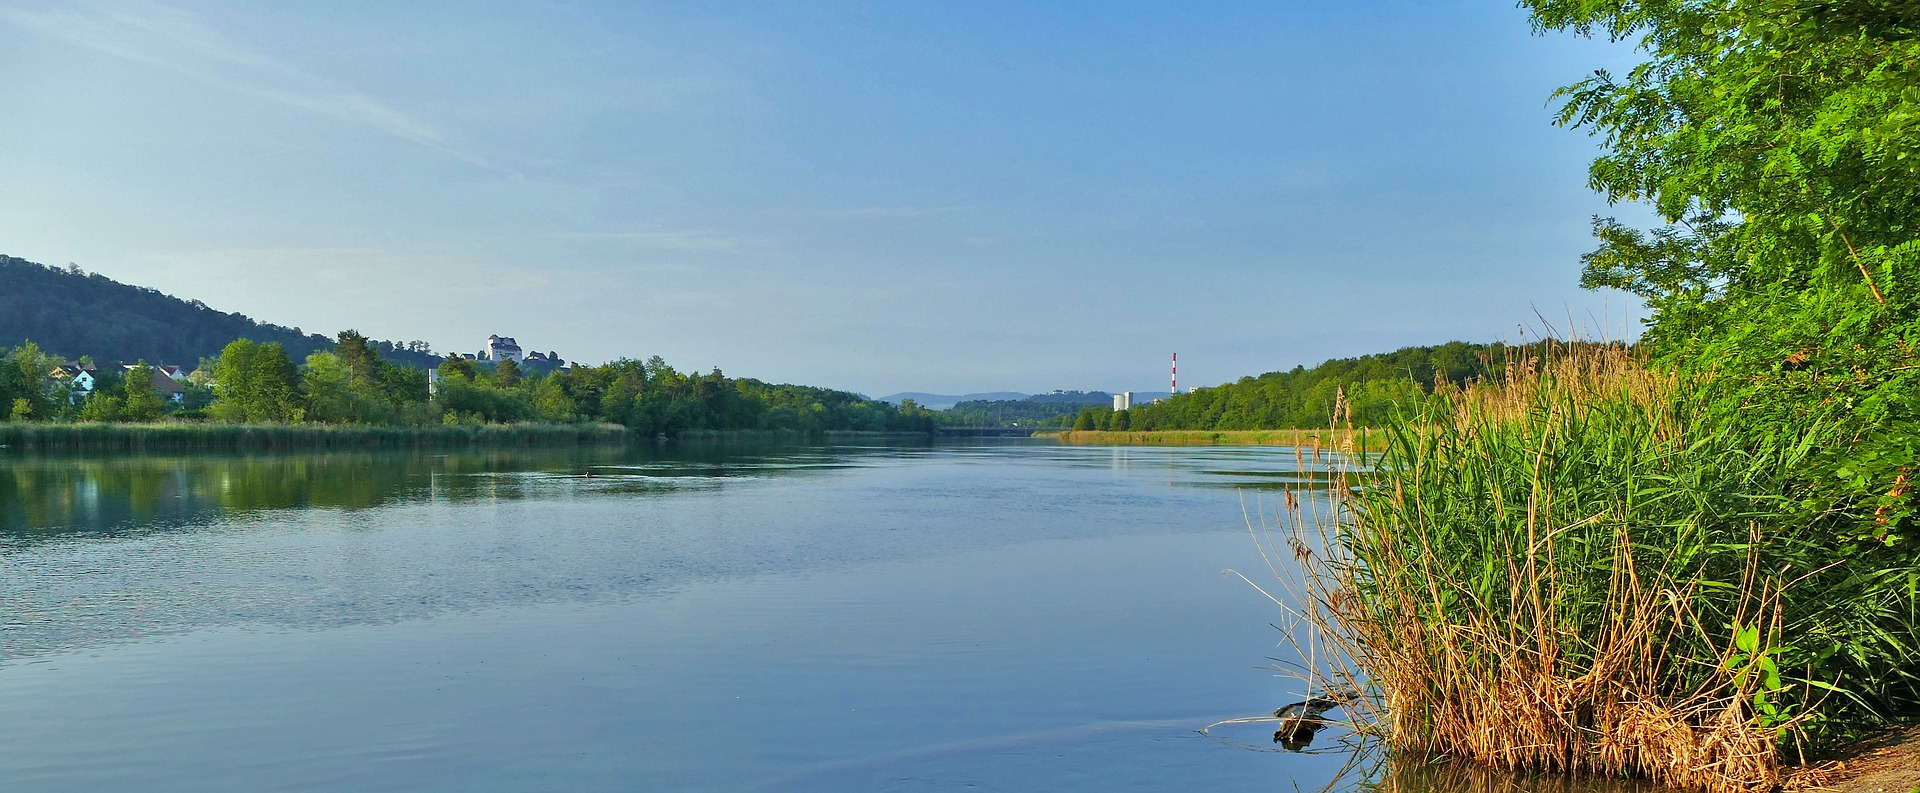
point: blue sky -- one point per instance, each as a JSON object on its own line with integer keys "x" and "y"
{"x": 949, "y": 197}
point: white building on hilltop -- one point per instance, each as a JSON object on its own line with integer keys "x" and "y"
{"x": 501, "y": 348}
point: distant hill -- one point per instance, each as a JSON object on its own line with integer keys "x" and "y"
{"x": 944, "y": 401}
{"x": 1040, "y": 410}
{"x": 71, "y": 313}
{"x": 1074, "y": 398}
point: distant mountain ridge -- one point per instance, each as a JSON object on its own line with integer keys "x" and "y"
{"x": 944, "y": 401}
{"x": 69, "y": 312}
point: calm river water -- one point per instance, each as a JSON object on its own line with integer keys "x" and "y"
{"x": 1007, "y": 617}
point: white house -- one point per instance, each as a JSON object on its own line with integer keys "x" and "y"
{"x": 166, "y": 381}
{"x": 80, "y": 379}
{"x": 501, "y": 348}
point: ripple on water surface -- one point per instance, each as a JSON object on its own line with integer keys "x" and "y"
{"x": 1006, "y": 617}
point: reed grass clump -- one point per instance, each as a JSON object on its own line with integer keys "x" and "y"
{"x": 1574, "y": 570}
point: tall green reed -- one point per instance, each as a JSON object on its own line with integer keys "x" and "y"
{"x": 1575, "y": 569}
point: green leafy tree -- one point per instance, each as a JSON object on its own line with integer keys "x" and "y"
{"x": 404, "y": 385}
{"x": 506, "y": 373}
{"x": 551, "y": 401}
{"x": 24, "y": 376}
{"x": 142, "y": 402}
{"x": 101, "y": 406}
{"x": 358, "y": 357}
{"x": 256, "y": 382}
{"x": 455, "y": 368}
{"x": 328, "y": 383}
{"x": 1779, "y": 142}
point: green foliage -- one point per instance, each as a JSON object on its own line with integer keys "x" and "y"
{"x": 354, "y": 385}
{"x": 1622, "y": 465}
{"x": 1779, "y": 141}
{"x": 1367, "y": 391}
{"x": 251, "y": 383}
{"x": 550, "y": 400}
{"x": 24, "y": 384}
{"x": 142, "y": 401}
{"x": 506, "y": 373}
{"x": 652, "y": 397}
{"x": 1045, "y": 410}
{"x": 328, "y": 383}
{"x": 357, "y": 359}
{"x": 256, "y": 383}
{"x": 102, "y": 406}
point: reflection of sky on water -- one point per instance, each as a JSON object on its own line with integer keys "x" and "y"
{"x": 49, "y": 495}
{"x": 991, "y": 617}
{"x": 108, "y": 549}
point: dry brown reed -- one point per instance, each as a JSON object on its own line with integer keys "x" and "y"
{"x": 1501, "y": 607}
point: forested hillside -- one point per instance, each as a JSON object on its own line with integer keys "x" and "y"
{"x": 72, "y": 313}
{"x": 1373, "y": 387}
{"x": 1040, "y": 410}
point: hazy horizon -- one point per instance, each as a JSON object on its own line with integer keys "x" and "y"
{"x": 947, "y": 199}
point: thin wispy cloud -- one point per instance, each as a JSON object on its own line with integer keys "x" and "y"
{"x": 865, "y": 212}
{"x": 180, "y": 42}
{"x": 666, "y": 240}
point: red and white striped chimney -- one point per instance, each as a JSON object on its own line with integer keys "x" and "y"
{"x": 1174, "y": 381}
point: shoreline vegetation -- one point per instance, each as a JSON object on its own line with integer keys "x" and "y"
{"x": 781, "y": 436}
{"x": 1581, "y": 569}
{"x": 255, "y": 394}
{"x": 1697, "y": 561}
{"x": 1341, "y": 440}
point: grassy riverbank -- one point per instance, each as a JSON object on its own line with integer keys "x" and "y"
{"x": 1333, "y": 439}
{"x": 21, "y": 436}
{"x": 796, "y": 436}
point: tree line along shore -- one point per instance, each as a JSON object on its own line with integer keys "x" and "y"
{"x": 254, "y": 395}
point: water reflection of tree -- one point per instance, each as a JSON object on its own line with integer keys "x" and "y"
{"x": 46, "y": 496}
{"x": 59, "y": 494}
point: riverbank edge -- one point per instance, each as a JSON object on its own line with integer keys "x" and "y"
{"x": 1357, "y": 439}
{"x": 1888, "y": 763}
{"x": 798, "y": 436}
{"x": 171, "y": 437}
